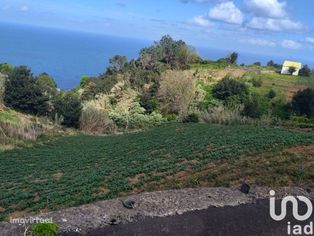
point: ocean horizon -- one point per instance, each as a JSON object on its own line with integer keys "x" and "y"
{"x": 69, "y": 55}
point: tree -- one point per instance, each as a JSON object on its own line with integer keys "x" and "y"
{"x": 233, "y": 58}
{"x": 47, "y": 84}
{"x": 257, "y": 63}
{"x": 117, "y": 63}
{"x": 84, "y": 81}
{"x": 271, "y": 63}
{"x": 6, "y": 68}
{"x": 148, "y": 99}
{"x": 23, "y": 93}
{"x": 228, "y": 87}
{"x": 292, "y": 70}
{"x": 68, "y": 105}
{"x": 305, "y": 71}
{"x": 176, "y": 93}
{"x": 303, "y": 103}
{"x": 174, "y": 54}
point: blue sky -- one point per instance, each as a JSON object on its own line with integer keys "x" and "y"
{"x": 259, "y": 26}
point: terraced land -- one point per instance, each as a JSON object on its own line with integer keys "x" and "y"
{"x": 81, "y": 169}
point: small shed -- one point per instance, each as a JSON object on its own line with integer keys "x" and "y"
{"x": 291, "y": 68}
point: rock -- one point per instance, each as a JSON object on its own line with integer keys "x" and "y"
{"x": 129, "y": 204}
{"x": 245, "y": 188}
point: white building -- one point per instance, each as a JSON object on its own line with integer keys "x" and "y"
{"x": 291, "y": 67}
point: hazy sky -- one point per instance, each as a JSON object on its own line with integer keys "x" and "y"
{"x": 264, "y": 26}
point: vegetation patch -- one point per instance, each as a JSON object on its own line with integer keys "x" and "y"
{"x": 93, "y": 165}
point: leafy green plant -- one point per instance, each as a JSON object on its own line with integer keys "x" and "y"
{"x": 44, "y": 229}
{"x": 229, "y": 87}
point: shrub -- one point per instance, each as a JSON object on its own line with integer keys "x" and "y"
{"x": 303, "y": 103}
{"x": 170, "y": 117}
{"x": 229, "y": 87}
{"x": 96, "y": 121}
{"x": 192, "y": 118}
{"x": 257, "y": 82}
{"x": 281, "y": 110}
{"x": 69, "y": 106}
{"x": 135, "y": 118}
{"x": 305, "y": 71}
{"x": 271, "y": 94}
{"x": 148, "y": 99}
{"x": 44, "y": 229}
{"x": 255, "y": 106}
{"x": 176, "y": 93}
{"x": 222, "y": 115}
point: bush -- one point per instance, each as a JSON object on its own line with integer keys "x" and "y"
{"x": 223, "y": 115}
{"x": 271, "y": 94}
{"x": 229, "y": 87}
{"x": 44, "y": 229}
{"x": 135, "y": 118}
{"x": 96, "y": 121}
{"x": 176, "y": 93}
{"x": 170, "y": 117}
{"x": 255, "y": 106}
{"x": 257, "y": 82}
{"x": 68, "y": 106}
{"x": 305, "y": 71}
{"x": 303, "y": 103}
{"x": 192, "y": 118}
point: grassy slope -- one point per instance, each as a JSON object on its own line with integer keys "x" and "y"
{"x": 285, "y": 86}
{"x": 10, "y": 116}
{"x": 81, "y": 169}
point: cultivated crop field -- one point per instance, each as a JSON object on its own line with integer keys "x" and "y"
{"x": 80, "y": 169}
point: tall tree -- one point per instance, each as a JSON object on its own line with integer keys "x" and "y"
{"x": 117, "y": 63}
{"x": 305, "y": 71}
{"x": 23, "y": 93}
{"x": 233, "y": 58}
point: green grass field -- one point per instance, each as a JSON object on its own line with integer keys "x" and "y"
{"x": 81, "y": 169}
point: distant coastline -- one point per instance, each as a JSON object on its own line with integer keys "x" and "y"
{"x": 69, "y": 55}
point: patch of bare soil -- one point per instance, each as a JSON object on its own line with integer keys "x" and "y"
{"x": 134, "y": 180}
{"x": 185, "y": 161}
{"x": 238, "y": 73}
{"x": 292, "y": 91}
{"x": 36, "y": 196}
{"x": 57, "y": 176}
{"x": 302, "y": 149}
{"x": 17, "y": 215}
{"x": 2, "y": 209}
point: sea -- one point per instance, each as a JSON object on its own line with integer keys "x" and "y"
{"x": 69, "y": 55}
